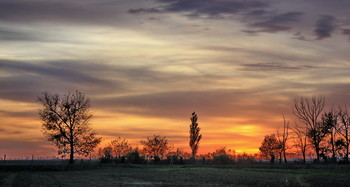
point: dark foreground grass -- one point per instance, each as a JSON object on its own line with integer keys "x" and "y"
{"x": 142, "y": 175}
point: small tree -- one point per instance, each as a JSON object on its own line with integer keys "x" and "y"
{"x": 134, "y": 157}
{"x": 105, "y": 154}
{"x": 270, "y": 147}
{"x": 223, "y": 156}
{"x": 155, "y": 146}
{"x": 66, "y": 123}
{"x": 195, "y": 136}
{"x": 120, "y": 147}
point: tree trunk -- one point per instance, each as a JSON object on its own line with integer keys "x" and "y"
{"x": 347, "y": 153}
{"x": 71, "y": 156}
{"x": 317, "y": 149}
{"x": 284, "y": 155}
{"x": 347, "y": 144}
{"x": 304, "y": 156}
{"x": 193, "y": 159}
{"x": 333, "y": 146}
{"x": 272, "y": 159}
{"x": 280, "y": 157}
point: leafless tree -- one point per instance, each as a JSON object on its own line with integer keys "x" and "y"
{"x": 344, "y": 129}
{"x": 301, "y": 140}
{"x": 309, "y": 112}
{"x": 156, "y": 146}
{"x": 283, "y": 139}
{"x": 66, "y": 123}
{"x": 195, "y": 136}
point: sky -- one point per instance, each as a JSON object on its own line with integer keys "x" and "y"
{"x": 147, "y": 65}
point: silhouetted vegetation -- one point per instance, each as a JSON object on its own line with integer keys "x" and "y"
{"x": 134, "y": 157}
{"x": 223, "y": 156}
{"x": 120, "y": 148}
{"x": 309, "y": 112}
{"x": 195, "y": 136}
{"x": 344, "y": 132}
{"x": 155, "y": 147}
{"x": 66, "y": 123}
{"x": 106, "y": 154}
{"x": 329, "y": 123}
{"x": 115, "y": 151}
{"x": 301, "y": 140}
{"x": 282, "y": 138}
{"x": 326, "y": 132}
{"x": 270, "y": 147}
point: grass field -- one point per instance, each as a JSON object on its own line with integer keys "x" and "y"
{"x": 164, "y": 175}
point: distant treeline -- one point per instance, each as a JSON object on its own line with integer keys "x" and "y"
{"x": 317, "y": 133}
{"x": 320, "y": 135}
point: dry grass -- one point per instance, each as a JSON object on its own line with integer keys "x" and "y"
{"x": 136, "y": 175}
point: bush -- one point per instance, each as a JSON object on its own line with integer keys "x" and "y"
{"x": 120, "y": 159}
{"x": 172, "y": 159}
{"x": 249, "y": 160}
{"x": 222, "y": 159}
{"x": 135, "y": 158}
{"x": 106, "y": 155}
{"x": 106, "y": 159}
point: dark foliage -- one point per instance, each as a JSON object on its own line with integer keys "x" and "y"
{"x": 135, "y": 158}
{"x": 270, "y": 147}
{"x": 195, "y": 136}
{"x": 155, "y": 146}
{"x": 66, "y": 123}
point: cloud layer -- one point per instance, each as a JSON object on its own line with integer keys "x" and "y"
{"x": 147, "y": 65}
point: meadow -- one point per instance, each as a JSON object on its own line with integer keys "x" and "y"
{"x": 175, "y": 175}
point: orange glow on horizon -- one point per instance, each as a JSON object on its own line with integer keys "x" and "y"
{"x": 135, "y": 128}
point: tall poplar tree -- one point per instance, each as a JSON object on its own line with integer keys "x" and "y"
{"x": 195, "y": 136}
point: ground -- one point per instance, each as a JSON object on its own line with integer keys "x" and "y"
{"x": 164, "y": 175}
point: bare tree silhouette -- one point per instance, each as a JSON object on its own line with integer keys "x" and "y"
{"x": 195, "y": 136}
{"x": 309, "y": 111}
{"x": 301, "y": 140}
{"x": 283, "y": 139}
{"x": 344, "y": 130}
{"x": 66, "y": 123}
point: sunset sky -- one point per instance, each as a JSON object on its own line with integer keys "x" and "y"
{"x": 147, "y": 65}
